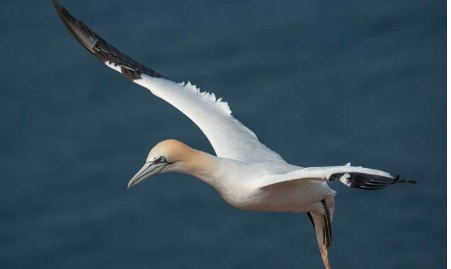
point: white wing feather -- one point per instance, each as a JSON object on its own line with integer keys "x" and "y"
{"x": 229, "y": 137}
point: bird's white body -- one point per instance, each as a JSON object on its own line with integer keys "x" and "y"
{"x": 241, "y": 185}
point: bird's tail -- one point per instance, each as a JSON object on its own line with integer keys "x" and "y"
{"x": 322, "y": 223}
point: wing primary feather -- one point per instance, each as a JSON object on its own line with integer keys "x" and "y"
{"x": 367, "y": 181}
{"x": 101, "y": 49}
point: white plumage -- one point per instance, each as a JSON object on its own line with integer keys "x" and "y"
{"x": 229, "y": 137}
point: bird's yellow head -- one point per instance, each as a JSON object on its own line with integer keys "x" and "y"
{"x": 166, "y": 156}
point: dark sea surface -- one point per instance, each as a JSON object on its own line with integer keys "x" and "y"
{"x": 320, "y": 82}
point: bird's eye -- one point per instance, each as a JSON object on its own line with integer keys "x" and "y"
{"x": 162, "y": 159}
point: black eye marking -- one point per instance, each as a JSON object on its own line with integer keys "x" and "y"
{"x": 161, "y": 159}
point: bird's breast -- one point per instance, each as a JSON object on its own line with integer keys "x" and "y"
{"x": 239, "y": 194}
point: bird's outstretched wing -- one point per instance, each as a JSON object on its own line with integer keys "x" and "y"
{"x": 229, "y": 137}
{"x": 351, "y": 176}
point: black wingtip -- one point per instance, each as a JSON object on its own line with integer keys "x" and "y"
{"x": 411, "y": 181}
{"x": 369, "y": 181}
{"x": 78, "y": 29}
{"x": 57, "y": 5}
{"x": 397, "y": 180}
{"x": 100, "y": 48}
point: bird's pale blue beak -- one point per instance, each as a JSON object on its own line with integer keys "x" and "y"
{"x": 149, "y": 169}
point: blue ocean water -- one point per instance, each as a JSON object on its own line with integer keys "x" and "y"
{"x": 320, "y": 82}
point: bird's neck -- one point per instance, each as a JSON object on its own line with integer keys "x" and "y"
{"x": 205, "y": 167}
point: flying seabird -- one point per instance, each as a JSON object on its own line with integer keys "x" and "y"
{"x": 246, "y": 173}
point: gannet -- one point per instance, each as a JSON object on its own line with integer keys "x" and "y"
{"x": 247, "y": 174}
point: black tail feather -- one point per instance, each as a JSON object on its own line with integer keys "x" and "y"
{"x": 311, "y": 218}
{"x": 327, "y": 226}
{"x": 324, "y": 224}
